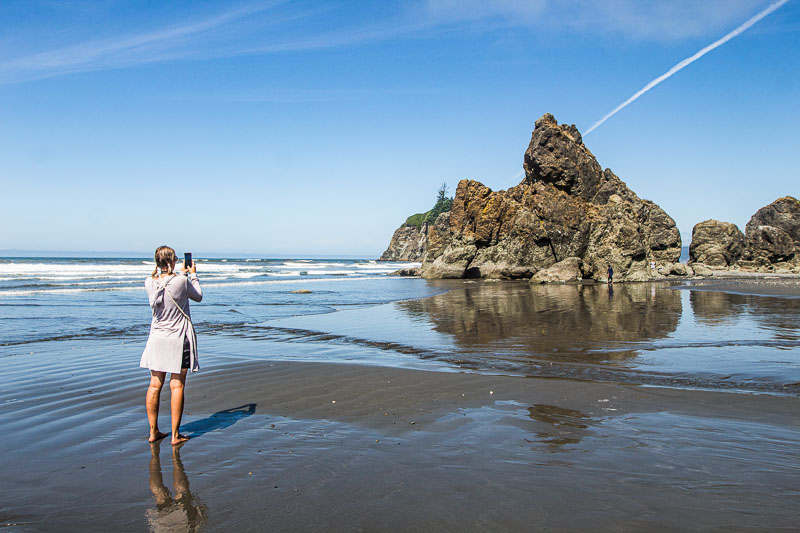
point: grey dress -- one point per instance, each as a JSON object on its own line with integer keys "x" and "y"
{"x": 169, "y": 327}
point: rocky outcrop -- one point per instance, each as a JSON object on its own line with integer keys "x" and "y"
{"x": 567, "y": 270}
{"x": 701, "y": 269}
{"x": 716, "y": 244}
{"x": 772, "y": 236}
{"x": 767, "y": 245}
{"x": 679, "y": 269}
{"x": 406, "y": 272}
{"x": 771, "y": 241}
{"x": 566, "y": 206}
{"x": 409, "y": 243}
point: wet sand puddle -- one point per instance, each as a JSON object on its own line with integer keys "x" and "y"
{"x": 639, "y": 333}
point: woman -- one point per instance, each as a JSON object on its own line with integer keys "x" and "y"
{"x": 172, "y": 344}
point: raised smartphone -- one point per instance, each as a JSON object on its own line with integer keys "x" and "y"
{"x": 187, "y": 259}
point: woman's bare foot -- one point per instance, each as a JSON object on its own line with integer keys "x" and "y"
{"x": 179, "y": 439}
{"x": 158, "y": 435}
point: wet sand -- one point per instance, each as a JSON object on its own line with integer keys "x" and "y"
{"x": 399, "y": 450}
{"x": 787, "y": 285}
{"x": 282, "y": 445}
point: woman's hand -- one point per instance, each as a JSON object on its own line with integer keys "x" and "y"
{"x": 191, "y": 270}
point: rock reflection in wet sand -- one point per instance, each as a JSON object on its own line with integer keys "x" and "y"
{"x": 780, "y": 315}
{"x": 575, "y": 323}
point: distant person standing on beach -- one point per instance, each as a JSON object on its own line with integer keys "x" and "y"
{"x": 172, "y": 344}
{"x": 610, "y": 275}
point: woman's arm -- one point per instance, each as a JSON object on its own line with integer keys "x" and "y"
{"x": 151, "y": 293}
{"x": 193, "y": 290}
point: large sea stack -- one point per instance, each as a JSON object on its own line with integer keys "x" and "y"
{"x": 566, "y": 208}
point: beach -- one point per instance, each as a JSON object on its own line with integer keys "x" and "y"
{"x": 414, "y": 266}
{"x": 477, "y": 407}
{"x": 403, "y": 450}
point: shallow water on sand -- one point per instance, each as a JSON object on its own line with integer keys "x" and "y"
{"x": 644, "y": 333}
{"x": 656, "y": 334}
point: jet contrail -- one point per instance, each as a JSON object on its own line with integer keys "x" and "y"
{"x": 688, "y": 61}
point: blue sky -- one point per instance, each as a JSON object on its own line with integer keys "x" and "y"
{"x": 316, "y": 128}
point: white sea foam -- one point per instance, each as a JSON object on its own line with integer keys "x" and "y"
{"x": 330, "y": 272}
{"x": 63, "y": 272}
{"x": 297, "y": 264}
{"x": 81, "y": 271}
{"x": 386, "y": 267}
{"x": 95, "y": 282}
{"x": 73, "y": 276}
{"x": 73, "y": 290}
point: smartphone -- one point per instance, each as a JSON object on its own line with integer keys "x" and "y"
{"x": 187, "y": 259}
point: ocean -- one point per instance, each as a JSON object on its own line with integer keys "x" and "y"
{"x": 50, "y": 299}
{"x": 683, "y": 335}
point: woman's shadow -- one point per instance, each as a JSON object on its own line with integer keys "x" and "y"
{"x": 219, "y": 420}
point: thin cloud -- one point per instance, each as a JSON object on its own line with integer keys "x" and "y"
{"x": 190, "y": 41}
{"x": 336, "y": 39}
{"x": 242, "y": 31}
{"x": 629, "y": 19}
{"x": 290, "y": 96}
{"x": 132, "y": 49}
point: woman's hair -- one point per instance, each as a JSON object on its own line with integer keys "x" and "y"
{"x": 165, "y": 258}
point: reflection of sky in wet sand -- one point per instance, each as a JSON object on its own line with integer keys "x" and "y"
{"x": 641, "y": 333}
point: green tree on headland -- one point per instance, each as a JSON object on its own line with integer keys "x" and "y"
{"x": 441, "y": 194}
{"x": 443, "y": 205}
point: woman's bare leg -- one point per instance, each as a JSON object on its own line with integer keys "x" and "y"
{"x": 151, "y": 403}
{"x": 176, "y": 386}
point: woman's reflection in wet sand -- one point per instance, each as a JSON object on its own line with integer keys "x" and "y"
{"x": 181, "y": 513}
